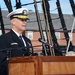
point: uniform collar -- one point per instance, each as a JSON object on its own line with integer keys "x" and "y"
{"x": 16, "y": 33}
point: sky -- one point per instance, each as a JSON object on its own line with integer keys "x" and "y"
{"x": 65, "y": 6}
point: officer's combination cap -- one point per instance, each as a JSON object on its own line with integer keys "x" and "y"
{"x": 21, "y": 13}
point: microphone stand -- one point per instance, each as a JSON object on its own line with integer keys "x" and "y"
{"x": 8, "y": 50}
{"x": 7, "y": 55}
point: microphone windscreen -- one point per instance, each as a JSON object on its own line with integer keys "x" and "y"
{"x": 39, "y": 39}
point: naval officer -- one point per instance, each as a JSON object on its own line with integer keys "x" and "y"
{"x": 14, "y": 43}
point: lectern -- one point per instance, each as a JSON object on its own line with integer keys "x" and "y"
{"x": 42, "y": 65}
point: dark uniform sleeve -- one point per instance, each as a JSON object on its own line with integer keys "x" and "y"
{"x": 3, "y": 58}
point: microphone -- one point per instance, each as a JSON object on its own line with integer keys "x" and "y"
{"x": 42, "y": 41}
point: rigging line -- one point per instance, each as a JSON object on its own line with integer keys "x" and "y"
{"x": 25, "y": 4}
{"x": 45, "y": 12}
{"x": 31, "y": 3}
{"x": 71, "y": 33}
{"x": 39, "y": 24}
{"x": 59, "y": 28}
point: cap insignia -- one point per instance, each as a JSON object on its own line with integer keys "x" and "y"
{"x": 24, "y": 12}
